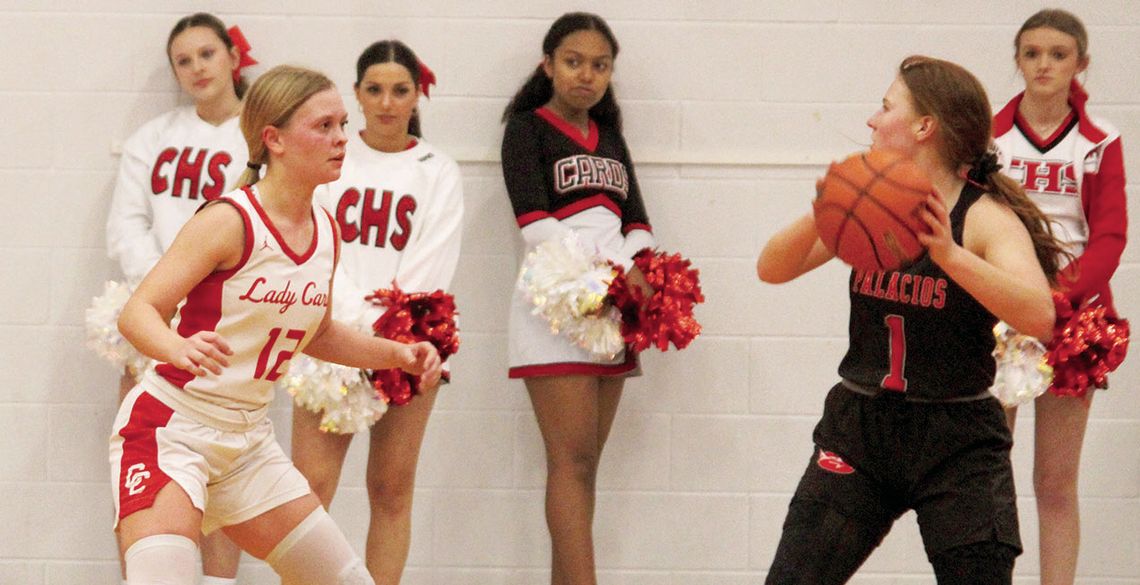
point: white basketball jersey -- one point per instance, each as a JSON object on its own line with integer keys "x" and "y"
{"x": 267, "y": 308}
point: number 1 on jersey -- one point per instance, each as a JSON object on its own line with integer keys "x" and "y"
{"x": 895, "y": 380}
{"x": 282, "y": 356}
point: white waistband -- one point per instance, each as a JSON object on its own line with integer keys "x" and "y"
{"x": 199, "y": 409}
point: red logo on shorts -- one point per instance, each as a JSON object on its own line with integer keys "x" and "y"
{"x": 831, "y": 462}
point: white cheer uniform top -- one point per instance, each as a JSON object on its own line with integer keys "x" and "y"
{"x": 400, "y": 216}
{"x": 169, "y": 167}
{"x": 267, "y": 308}
{"x": 1076, "y": 177}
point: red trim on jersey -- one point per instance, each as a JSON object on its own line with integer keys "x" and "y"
{"x": 575, "y": 369}
{"x": 598, "y": 200}
{"x": 411, "y": 144}
{"x": 589, "y": 141}
{"x": 636, "y": 226}
{"x": 531, "y": 217}
{"x": 297, "y": 259}
{"x": 336, "y": 237}
{"x": 139, "y": 469}
{"x": 1104, "y": 202}
{"x": 1005, "y": 119}
{"x": 203, "y": 307}
{"x": 1034, "y": 138}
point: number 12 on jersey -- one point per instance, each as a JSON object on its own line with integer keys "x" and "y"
{"x": 283, "y": 355}
{"x": 895, "y": 379}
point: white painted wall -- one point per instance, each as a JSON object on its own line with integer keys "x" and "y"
{"x": 732, "y": 110}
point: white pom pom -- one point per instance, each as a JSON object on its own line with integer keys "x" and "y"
{"x": 103, "y": 335}
{"x": 1022, "y": 372}
{"x": 568, "y": 284}
{"x": 343, "y": 396}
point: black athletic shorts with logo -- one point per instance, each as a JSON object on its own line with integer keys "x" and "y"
{"x": 878, "y": 456}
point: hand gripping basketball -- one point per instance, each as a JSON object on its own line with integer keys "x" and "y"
{"x": 867, "y": 210}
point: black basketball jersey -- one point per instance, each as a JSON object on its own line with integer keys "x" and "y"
{"x": 552, "y": 170}
{"x": 916, "y": 331}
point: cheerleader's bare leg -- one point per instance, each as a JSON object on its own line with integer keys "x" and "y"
{"x": 1059, "y": 435}
{"x": 574, "y": 414}
{"x": 394, "y": 451}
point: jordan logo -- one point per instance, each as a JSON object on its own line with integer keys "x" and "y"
{"x": 265, "y": 244}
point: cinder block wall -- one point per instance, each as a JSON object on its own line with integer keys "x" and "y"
{"x": 733, "y": 109}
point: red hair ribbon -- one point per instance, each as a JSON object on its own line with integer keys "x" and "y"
{"x": 427, "y": 78}
{"x": 244, "y": 60}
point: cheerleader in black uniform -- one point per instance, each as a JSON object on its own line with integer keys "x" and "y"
{"x": 912, "y": 425}
{"x": 567, "y": 169}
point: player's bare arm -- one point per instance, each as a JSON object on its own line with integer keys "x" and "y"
{"x": 212, "y": 240}
{"x": 339, "y": 343}
{"x": 793, "y": 251}
{"x": 997, "y": 265}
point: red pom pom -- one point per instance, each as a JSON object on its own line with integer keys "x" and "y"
{"x": 1087, "y": 344}
{"x": 667, "y": 315}
{"x": 410, "y": 318}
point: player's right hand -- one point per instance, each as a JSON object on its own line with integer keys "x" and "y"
{"x": 203, "y": 352}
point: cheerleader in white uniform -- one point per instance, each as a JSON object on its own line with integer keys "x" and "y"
{"x": 1071, "y": 165}
{"x": 567, "y": 169}
{"x": 172, "y": 165}
{"x": 399, "y": 206}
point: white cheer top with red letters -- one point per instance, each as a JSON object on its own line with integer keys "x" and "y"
{"x": 170, "y": 166}
{"x": 267, "y": 308}
{"x": 1057, "y": 171}
{"x": 400, "y": 216}
{"x": 1076, "y": 176}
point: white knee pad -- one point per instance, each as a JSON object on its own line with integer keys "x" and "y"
{"x": 163, "y": 559}
{"x": 355, "y": 574}
{"x": 316, "y": 553}
{"x": 211, "y": 580}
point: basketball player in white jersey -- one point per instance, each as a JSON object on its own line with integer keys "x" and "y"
{"x": 192, "y": 449}
{"x": 173, "y": 164}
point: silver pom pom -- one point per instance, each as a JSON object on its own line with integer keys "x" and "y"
{"x": 1022, "y": 371}
{"x": 103, "y": 335}
{"x": 343, "y": 396}
{"x": 568, "y": 285}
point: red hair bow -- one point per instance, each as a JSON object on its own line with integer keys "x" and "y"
{"x": 427, "y": 78}
{"x": 244, "y": 60}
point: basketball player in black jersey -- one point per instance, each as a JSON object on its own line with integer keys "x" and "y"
{"x": 911, "y": 425}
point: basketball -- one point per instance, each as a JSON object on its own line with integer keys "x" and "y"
{"x": 867, "y": 210}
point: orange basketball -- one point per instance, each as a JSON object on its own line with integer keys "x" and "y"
{"x": 867, "y": 210}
